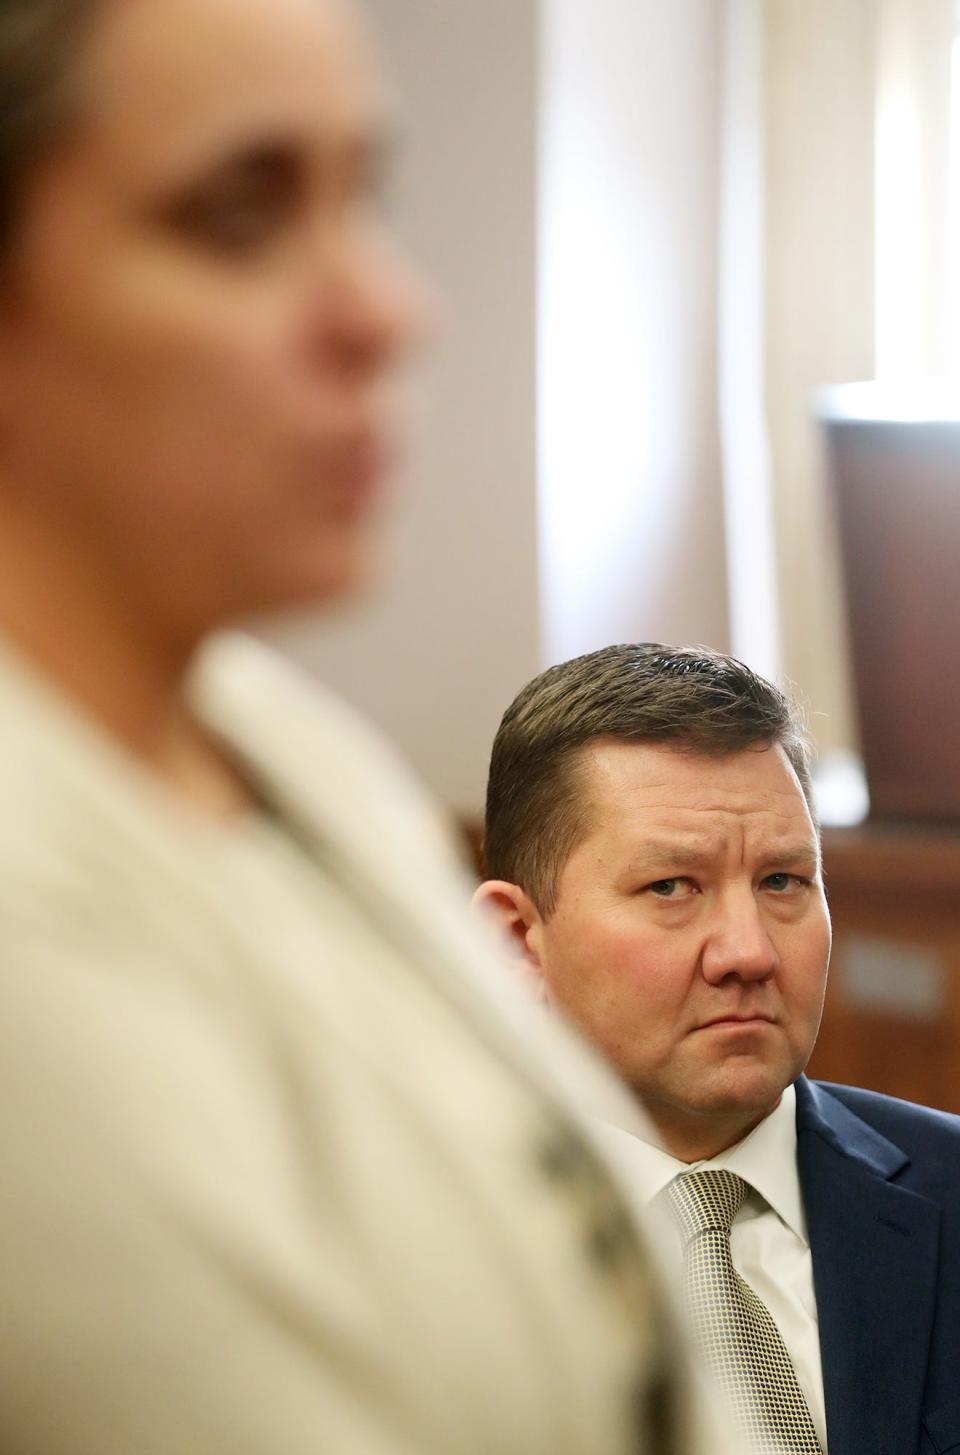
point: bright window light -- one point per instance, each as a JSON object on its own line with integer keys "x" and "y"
{"x": 953, "y": 252}
{"x": 899, "y": 246}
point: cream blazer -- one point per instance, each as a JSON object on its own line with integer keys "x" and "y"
{"x": 284, "y": 1168}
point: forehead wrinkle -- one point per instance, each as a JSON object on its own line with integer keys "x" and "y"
{"x": 690, "y": 793}
{"x": 638, "y": 792}
{"x": 670, "y": 814}
{"x": 691, "y": 850}
{"x": 759, "y": 831}
{"x": 738, "y": 848}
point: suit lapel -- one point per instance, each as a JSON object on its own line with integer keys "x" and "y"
{"x": 875, "y": 1253}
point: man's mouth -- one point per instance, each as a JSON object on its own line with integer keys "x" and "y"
{"x": 754, "y": 1018}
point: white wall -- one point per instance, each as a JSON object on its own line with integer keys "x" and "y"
{"x": 820, "y": 78}
{"x": 631, "y": 510}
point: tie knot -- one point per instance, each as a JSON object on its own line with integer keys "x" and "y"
{"x": 702, "y": 1200}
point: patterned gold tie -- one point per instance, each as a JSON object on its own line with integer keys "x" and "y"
{"x": 739, "y": 1340}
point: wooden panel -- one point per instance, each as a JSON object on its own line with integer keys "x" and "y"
{"x": 894, "y": 895}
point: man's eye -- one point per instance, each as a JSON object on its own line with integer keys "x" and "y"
{"x": 669, "y": 888}
{"x": 780, "y": 883}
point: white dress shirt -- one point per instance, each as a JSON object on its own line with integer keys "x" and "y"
{"x": 768, "y": 1241}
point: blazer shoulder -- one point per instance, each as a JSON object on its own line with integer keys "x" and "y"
{"x": 924, "y": 1133}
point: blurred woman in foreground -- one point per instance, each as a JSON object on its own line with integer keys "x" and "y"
{"x": 278, "y": 1174}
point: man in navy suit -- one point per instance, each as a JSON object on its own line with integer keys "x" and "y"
{"x": 653, "y": 855}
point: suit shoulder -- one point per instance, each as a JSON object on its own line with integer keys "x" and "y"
{"x": 905, "y": 1122}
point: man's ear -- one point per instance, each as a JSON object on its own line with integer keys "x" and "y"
{"x": 517, "y": 918}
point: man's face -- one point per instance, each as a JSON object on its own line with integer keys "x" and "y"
{"x": 690, "y": 938}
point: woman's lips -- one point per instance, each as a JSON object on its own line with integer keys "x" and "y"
{"x": 353, "y": 472}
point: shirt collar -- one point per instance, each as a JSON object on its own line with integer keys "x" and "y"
{"x": 766, "y": 1159}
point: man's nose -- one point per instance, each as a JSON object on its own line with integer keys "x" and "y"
{"x": 738, "y": 942}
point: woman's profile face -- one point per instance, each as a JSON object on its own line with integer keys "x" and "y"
{"x": 199, "y": 319}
